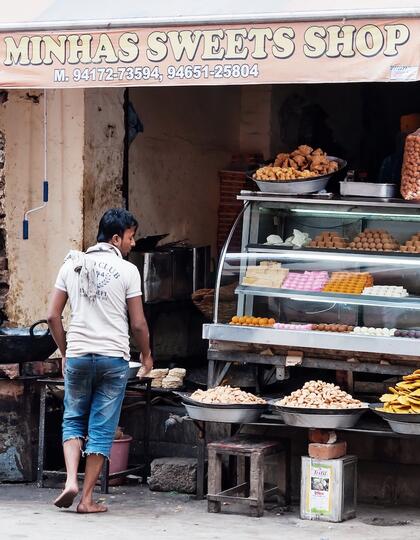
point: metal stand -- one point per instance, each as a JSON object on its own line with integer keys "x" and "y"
{"x": 144, "y": 468}
{"x": 221, "y": 361}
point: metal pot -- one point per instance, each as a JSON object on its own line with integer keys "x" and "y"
{"x": 133, "y": 368}
{"x": 25, "y": 344}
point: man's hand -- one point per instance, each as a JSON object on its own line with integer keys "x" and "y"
{"x": 146, "y": 365}
{"x": 63, "y": 366}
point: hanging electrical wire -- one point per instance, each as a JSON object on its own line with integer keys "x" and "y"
{"x": 45, "y": 182}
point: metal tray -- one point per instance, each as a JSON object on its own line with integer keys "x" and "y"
{"x": 395, "y": 417}
{"x": 321, "y": 418}
{"x": 223, "y": 414}
{"x": 186, "y": 399}
{"x": 298, "y": 187}
{"x": 368, "y": 189}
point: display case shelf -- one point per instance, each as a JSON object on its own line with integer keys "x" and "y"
{"x": 317, "y": 202}
{"x": 312, "y": 339}
{"x": 332, "y": 298}
{"x": 345, "y": 255}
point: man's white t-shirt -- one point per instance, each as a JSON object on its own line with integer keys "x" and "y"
{"x": 100, "y": 326}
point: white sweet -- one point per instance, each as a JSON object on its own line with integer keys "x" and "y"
{"x": 386, "y": 290}
{"x": 371, "y": 331}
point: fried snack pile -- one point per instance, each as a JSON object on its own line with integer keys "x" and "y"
{"x": 301, "y": 164}
{"x": 269, "y": 173}
{"x": 306, "y": 158}
{"x": 167, "y": 378}
{"x": 226, "y": 395}
{"x": 410, "y": 174}
{"x": 320, "y": 395}
{"x": 405, "y": 397}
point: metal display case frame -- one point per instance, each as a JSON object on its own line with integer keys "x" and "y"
{"x": 394, "y": 355}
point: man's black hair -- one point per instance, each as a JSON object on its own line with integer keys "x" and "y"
{"x": 115, "y": 221}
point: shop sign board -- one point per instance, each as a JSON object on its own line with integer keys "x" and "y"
{"x": 301, "y": 52}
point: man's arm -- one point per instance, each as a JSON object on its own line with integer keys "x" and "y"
{"x": 55, "y": 310}
{"x": 140, "y": 331}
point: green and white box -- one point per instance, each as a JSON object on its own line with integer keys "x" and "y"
{"x": 328, "y": 489}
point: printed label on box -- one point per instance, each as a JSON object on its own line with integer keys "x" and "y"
{"x": 320, "y": 477}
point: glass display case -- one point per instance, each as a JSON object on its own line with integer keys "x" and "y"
{"x": 321, "y": 273}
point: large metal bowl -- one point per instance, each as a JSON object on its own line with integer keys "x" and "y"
{"x": 407, "y": 428}
{"x": 299, "y": 187}
{"x": 224, "y": 415}
{"x": 231, "y": 414}
{"x": 394, "y": 417}
{"x": 320, "y": 418}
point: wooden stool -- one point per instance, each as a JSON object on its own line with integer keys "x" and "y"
{"x": 252, "y": 491}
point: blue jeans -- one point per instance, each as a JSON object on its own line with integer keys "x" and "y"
{"x": 94, "y": 388}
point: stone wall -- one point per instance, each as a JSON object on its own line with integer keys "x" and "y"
{"x": 103, "y": 156}
{"x": 4, "y": 276}
{"x": 33, "y": 264}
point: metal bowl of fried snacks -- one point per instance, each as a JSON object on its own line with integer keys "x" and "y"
{"x": 222, "y": 414}
{"x": 298, "y": 186}
{"x": 406, "y": 428}
{"x": 218, "y": 412}
{"x": 408, "y": 418}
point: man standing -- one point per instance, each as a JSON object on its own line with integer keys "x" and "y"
{"x": 104, "y": 292}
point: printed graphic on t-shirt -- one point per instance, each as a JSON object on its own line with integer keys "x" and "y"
{"x": 105, "y": 273}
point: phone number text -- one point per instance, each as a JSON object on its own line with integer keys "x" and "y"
{"x": 146, "y": 73}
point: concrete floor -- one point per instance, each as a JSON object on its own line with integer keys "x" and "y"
{"x": 137, "y": 513}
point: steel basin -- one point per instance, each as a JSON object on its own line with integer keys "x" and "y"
{"x": 300, "y": 187}
{"x": 231, "y": 416}
{"x": 320, "y": 418}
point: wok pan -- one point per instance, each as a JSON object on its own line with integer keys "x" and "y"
{"x": 26, "y": 344}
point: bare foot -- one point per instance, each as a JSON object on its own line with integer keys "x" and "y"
{"x": 91, "y": 508}
{"x": 66, "y": 497}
